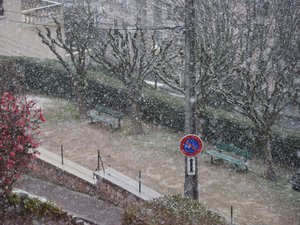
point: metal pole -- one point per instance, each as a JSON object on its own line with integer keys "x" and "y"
{"x": 140, "y": 182}
{"x": 100, "y": 160}
{"x": 62, "y": 154}
{"x": 98, "y": 165}
{"x": 231, "y": 215}
{"x": 191, "y": 181}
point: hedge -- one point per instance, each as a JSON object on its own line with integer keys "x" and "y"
{"x": 170, "y": 210}
{"x": 48, "y": 77}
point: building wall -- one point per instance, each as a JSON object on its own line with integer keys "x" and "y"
{"x": 151, "y": 13}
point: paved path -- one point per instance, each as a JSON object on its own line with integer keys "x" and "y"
{"x": 78, "y": 204}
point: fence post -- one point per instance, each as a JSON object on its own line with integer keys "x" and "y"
{"x": 109, "y": 160}
{"x": 231, "y": 215}
{"x": 62, "y": 154}
{"x": 140, "y": 182}
{"x": 98, "y": 161}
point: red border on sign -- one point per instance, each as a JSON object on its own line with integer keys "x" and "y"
{"x": 184, "y": 139}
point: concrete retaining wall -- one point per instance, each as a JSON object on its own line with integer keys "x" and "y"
{"x": 74, "y": 177}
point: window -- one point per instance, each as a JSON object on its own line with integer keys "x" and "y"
{"x": 169, "y": 11}
{"x": 1, "y": 8}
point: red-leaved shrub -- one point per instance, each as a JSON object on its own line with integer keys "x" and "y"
{"x": 20, "y": 122}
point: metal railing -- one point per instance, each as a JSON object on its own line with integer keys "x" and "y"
{"x": 41, "y": 11}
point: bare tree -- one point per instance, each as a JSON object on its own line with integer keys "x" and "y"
{"x": 131, "y": 56}
{"x": 208, "y": 42}
{"x": 75, "y": 37}
{"x": 268, "y": 62}
{"x": 215, "y": 47}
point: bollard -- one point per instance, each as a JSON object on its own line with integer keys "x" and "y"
{"x": 62, "y": 154}
{"x": 140, "y": 182}
{"x": 231, "y": 215}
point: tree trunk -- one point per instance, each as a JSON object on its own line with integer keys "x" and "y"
{"x": 135, "y": 117}
{"x": 264, "y": 144}
{"x": 80, "y": 99}
{"x": 79, "y": 89}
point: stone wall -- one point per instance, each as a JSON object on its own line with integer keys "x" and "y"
{"x": 103, "y": 190}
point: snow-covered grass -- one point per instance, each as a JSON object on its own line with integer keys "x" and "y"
{"x": 158, "y": 139}
{"x": 55, "y": 109}
{"x": 156, "y": 154}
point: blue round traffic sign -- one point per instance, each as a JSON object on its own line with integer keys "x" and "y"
{"x": 191, "y": 145}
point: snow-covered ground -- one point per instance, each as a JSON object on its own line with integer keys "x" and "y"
{"x": 41, "y": 101}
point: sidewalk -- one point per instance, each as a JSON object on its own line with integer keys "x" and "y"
{"x": 78, "y": 204}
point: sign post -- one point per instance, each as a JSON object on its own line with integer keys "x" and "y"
{"x": 191, "y": 165}
{"x": 190, "y": 146}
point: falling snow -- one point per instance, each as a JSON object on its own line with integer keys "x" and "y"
{"x": 130, "y": 57}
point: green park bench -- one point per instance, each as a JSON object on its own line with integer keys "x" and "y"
{"x": 239, "y": 163}
{"x": 231, "y": 148}
{"x": 106, "y": 116}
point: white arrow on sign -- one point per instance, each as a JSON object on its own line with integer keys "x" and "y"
{"x": 191, "y": 166}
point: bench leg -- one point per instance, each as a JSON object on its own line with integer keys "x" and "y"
{"x": 119, "y": 123}
{"x": 237, "y": 167}
{"x": 211, "y": 159}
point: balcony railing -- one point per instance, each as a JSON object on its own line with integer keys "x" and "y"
{"x": 41, "y": 12}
